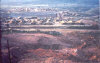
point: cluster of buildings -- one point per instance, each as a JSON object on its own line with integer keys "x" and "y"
{"x": 39, "y": 21}
{"x": 31, "y": 9}
{"x": 61, "y": 18}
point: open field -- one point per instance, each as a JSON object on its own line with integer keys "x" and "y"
{"x": 51, "y": 27}
{"x": 44, "y": 46}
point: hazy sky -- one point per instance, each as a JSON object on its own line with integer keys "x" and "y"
{"x": 64, "y": 1}
{"x": 49, "y": 2}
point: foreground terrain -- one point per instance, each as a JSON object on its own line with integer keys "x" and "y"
{"x": 69, "y": 46}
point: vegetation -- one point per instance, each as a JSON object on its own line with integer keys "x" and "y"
{"x": 55, "y": 33}
{"x": 95, "y": 27}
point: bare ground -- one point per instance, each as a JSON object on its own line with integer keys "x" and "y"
{"x": 70, "y": 47}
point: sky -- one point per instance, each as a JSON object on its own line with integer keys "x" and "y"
{"x": 49, "y": 2}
